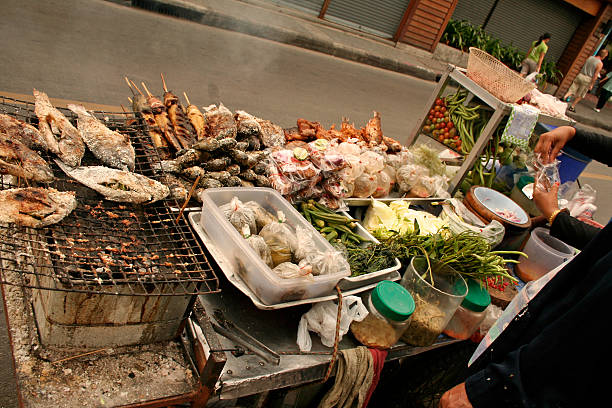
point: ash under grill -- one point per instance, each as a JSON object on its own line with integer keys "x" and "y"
{"x": 105, "y": 247}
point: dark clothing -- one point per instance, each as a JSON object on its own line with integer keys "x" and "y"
{"x": 603, "y": 98}
{"x": 555, "y": 352}
{"x": 566, "y": 228}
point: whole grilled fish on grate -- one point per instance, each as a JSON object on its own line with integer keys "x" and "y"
{"x": 111, "y": 148}
{"x": 61, "y": 137}
{"x": 24, "y": 132}
{"x": 20, "y": 161}
{"x": 35, "y": 207}
{"x": 118, "y": 185}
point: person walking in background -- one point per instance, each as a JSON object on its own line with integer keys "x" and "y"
{"x": 605, "y": 92}
{"x": 535, "y": 55}
{"x": 585, "y": 80}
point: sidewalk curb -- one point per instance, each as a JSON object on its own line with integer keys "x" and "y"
{"x": 583, "y": 120}
{"x": 204, "y": 16}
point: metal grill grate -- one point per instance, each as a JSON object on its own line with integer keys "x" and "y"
{"x": 106, "y": 247}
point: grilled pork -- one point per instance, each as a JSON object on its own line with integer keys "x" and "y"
{"x": 24, "y": 132}
{"x": 20, "y": 161}
{"x": 61, "y": 137}
{"x": 35, "y": 207}
{"x": 178, "y": 119}
{"x": 118, "y": 185}
{"x": 111, "y": 148}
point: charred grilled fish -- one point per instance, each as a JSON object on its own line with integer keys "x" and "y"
{"x": 61, "y": 137}
{"x": 111, "y": 148}
{"x": 118, "y": 185}
{"x": 24, "y": 132}
{"x": 20, "y": 161}
{"x": 35, "y": 207}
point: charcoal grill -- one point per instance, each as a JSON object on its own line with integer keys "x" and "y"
{"x": 135, "y": 269}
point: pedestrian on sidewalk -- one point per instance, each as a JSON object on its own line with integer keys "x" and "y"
{"x": 535, "y": 55}
{"x": 605, "y": 92}
{"x": 585, "y": 80}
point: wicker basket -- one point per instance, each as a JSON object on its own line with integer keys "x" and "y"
{"x": 501, "y": 81}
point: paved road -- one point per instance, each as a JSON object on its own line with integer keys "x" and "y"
{"x": 82, "y": 49}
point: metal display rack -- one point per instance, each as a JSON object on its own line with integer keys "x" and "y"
{"x": 500, "y": 111}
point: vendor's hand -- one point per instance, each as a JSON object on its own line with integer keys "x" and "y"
{"x": 546, "y": 201}
{"x": 456, "y": 397}
{"x": 550, "y": 143}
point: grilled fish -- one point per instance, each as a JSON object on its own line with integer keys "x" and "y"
{"x": 35, "y": 207}
{"x": 60, "y": 136}
{"x": 118, "y": 185}
{"x": 111, "y": 148}
{"x": 20, "y": 161}
{"x": 24, "y": 132}
{"x": 196, "y": 118}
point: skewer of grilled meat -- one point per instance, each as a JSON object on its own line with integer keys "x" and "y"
{"x": 177, "y": 117}
{"x": 197, "y": 119}
{"x": 142, "y": 108}
{"x": 162, "y": 120}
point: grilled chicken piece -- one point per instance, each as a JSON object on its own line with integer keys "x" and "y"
{"x": 307, "y": 130}
{"x": 20, "y": 161}
{"x": 196, "y": 118}
{"x": 178, "y": 119}
{"x": 163, "y": 122}
{"x": 349, "y": 130}
{"x": 111, "y": 148}
{"x": 118, "y": 185}
{"x": 373, "y": 131}
{"x": 220, "y": 122}
{"x": 35, "y": 207}
{"x": 24, "y": 132}
{"x": 60, "y": 136}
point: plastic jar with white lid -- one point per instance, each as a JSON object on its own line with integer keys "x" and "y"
{"x": 390, "y": 307}
{"x": 470, "y": 313}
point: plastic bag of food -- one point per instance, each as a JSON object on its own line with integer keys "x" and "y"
{"x": 347, "y": 148}
{"x": 460, "y": 219}
{"x": 391, "y": 172}
{"x": 349, "y": 187}
{"x": 334, "y": 187}
{"x": 383, "y": 185}
{"x": 365, "y": 185}
{"x": 294, "y": 164}
{"x": 278, "y": 181}
{"x": 354, "y": 168}
{"x": 305, "y": 243}
{"x": 280, "y": 239}
{"x": 261, "y": 248}
{"x": 241, "y": 216}
{"x": 373, "y": 162}
{"x": 409, "y": 176}
{"x": 263, "y": 217}
{"x": 328, "y": 161}
{"x": 428, "y": 158}
{"x": 546, "y": 175}
{"x": 332, "y": 202}
{"x": 288, "y": 270}
{"x": 328, "y": 263}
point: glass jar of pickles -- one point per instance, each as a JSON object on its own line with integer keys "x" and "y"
{"x": 390, "y": 306}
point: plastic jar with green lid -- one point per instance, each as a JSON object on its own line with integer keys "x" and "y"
{"x": 390, "y": 306}
{"x": 470, "y": 313}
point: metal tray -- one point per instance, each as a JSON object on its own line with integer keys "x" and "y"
{"x": 364, "y": 202}
{"x": 234, "y": 278}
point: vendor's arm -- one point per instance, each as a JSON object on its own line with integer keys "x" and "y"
{"x": 593, "y": 145}
{"x": 562, "y": 225}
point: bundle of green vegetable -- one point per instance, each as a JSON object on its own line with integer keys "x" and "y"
{"x": 467, "y": 253}
{"x": 368, "y": 258}
{"x": 330, "y": 224}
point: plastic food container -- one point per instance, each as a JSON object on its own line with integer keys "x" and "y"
{"x": 435, "y": 304}
{"x": 267, "y": 286}
{"x": 390, "y": 306}
{"x": 470, "y": 313}
{"x": 544, "y": 253}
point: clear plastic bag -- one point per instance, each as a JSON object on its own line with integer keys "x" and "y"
{"x": 334, "y": 187}
{"x": 305, "y": 243}
{"x": 328, "y": 263}
{"x": 373, "y": 162}
{"x": 280, "y": 239}
{"x": 288, "y": 270}
{"x": 460, "y": 219}
{"x": 582, "y": 204}
{"x": 391, "y": 172}
{"x": 365, "y": 185}
{"x": 383, "y": 185}
{"x": 241, "y": 217}
{"x": 409, "y": 176}
{"x": 261, "y": 248}
{"x": 327, "y": 160}
{"x": 349, "y": 149}
{"x": 354, "y": 168}
{"x": 546, "y": 175}
{"x": 263, "y": 217}
{"x": 321, "y": 319}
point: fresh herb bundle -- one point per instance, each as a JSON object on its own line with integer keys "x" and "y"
{"x": 369, "y": 258}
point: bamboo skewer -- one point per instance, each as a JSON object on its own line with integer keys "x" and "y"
{"x": 193, "y": 187}
{"x": 164, "y": 83}
{"x": 146, "y": 90}
{"x": 186, "y": 98}
{"x": 127, "y": 81}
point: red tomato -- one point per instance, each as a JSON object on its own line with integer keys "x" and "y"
{"x": 439, "y": 101}
{"x": 441, "y": 139}
{"x": 450, "y": 125}
{"x": 432, "y": 111}
{"x": 446, "y": 135}
{"x": 437, "y": 108}
{"x": 456, "y": 137}
{"x": 442, "y": 109}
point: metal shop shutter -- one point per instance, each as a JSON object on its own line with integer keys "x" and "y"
{"x": 309, "y": 6}
{"x": 381, "y": 17}
{"x": 520, "y": 22}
